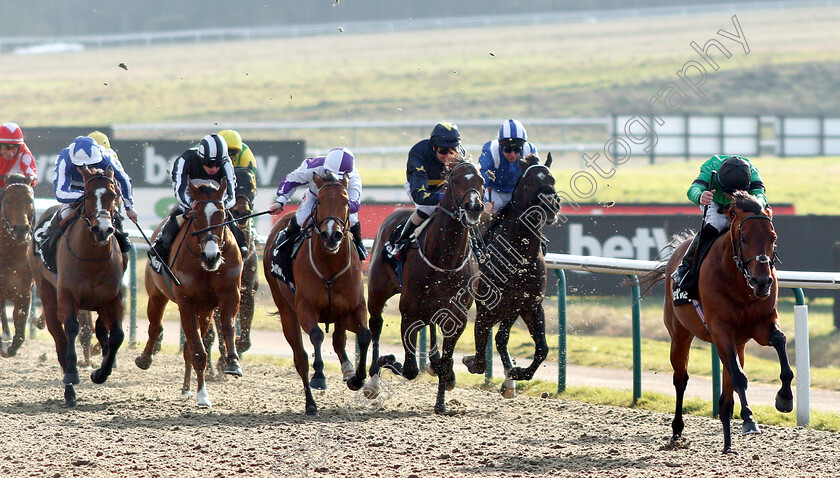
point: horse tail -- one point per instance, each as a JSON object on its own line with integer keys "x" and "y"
{"x": 652, "y": 278}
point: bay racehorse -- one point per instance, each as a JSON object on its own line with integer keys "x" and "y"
{"x": 328, "y": 289}
{"x": 437, "y": 288}
{"x": 209, "y": 268}
{"x": 89, "y": 275}
{"x": 513, "y": 276}
{"x": 246, "y": 190}
{"x": 17, "y": 209}
{"x": 738, "y": 292}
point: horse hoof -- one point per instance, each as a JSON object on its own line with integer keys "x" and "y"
{"x": 312, "y": 410}
{"x": 143, "y": 361}
{"x": 202, "y": 398}
{"x": 40, "y": 322}
{"x": 750, "y": 428}
{"x": 450, "y": 385}
{"x": 318, "y": 383}
{"x": 71, "y": 378}
{"x": 508, "y": 391}
{"x": 473, "y": 365}
{"x": 430, "y": 369}
{"x": 784, "y": 405}
{"x": 386, "y": 360}
{"x": 355, "y": 384}
{"x": 70, "y": 404}
{"x": 98, "y": 376}
{"x": 440, "y": 409}
{"x": 730, "y": 451}
{"x": 186, "y": 394}
{"x": 233, "y": 368}
{"x": 372, "y": 388}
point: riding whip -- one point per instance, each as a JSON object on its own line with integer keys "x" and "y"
{"x": 249, "y": 216}
{"x": 162, "y": 261}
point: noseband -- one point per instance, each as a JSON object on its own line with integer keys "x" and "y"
{"x": 459, "y": 213}
{"x": 741, "y": 263}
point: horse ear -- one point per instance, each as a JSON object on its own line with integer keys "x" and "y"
{"x": 523, "y": 165}
{"x": 345, "y": 181}
{"x": 731, "y": 212}
{"x": 29, "y": 181}
{"x": 193, "y": 189}
{"x": 548, "y": 161}
{"x": 223, "y": 186}
{"x": 318, "y": 180}
{"x": 769, "y": 211}
{"x": 109, "y": 171}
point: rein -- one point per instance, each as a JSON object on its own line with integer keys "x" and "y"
{"x": 459, "y": 213}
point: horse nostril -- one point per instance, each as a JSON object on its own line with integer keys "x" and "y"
{"x": 336, "y": 236}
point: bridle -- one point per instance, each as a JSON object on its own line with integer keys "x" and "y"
{"x": 459, "y": 213}
{"x": 99, "y": 213}
{"x": 342, "y": 223}
{"x": 6, "y": 224}
{"x": 738, "y": 252}
{"x": 208, "y": 235}
{"x": 545, "y": 190}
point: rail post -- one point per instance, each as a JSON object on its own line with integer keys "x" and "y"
{"x": 561, "y": 330}
{"x": 803, "y": 363}
{"x": 637, "y": 338}
{"x": 132, "y": 307}
{"x": 488, "y": 357}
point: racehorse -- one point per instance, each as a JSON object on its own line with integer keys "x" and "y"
{"x": 209, "y": 268}
{"x": 246, "y": 189}
{"x": 738, "y": 292}
{"x": 17, "y": 209}
{"x": 436, "y": 289}
{"x": 90, "y": 268}
{"x": 513, "y": 276}
{"x": 328, "y": 289}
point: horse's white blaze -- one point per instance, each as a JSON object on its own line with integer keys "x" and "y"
{"x": 202, "y": 399}
{"x": 209, "y": 210}
{"x": 469, "y": 176}
{"x": 98, "y": 193}
{"x": 104, "y": 222}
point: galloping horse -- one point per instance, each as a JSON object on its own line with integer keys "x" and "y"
{"x": 17, "y": 208}
{"x": 90, "y": 269}
{"x": 436, "y": 286}
{"x": 513, "y": 276}
{"x": 738, "y": 292}
{"x": 246, "y": 189}
{"x": 328, "y": 288}
{"x": 209, "y": 267}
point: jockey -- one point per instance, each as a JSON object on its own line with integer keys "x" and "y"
{"x": 102, "y": 140}
{"x": 240, "y": 154}
{"x": 428, "y": 162}
{"x": 15, "y": 156}
{"x": 499, "y": 162}
{"x": 69, "y": 188}
{"x": 208, "y": 161}
{"x": 339, "y": 161}
{"x": 734, "y": 173}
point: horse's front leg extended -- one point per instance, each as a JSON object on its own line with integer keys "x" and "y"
{"x": 71, "y": 329}
{"x": 20, "y": 314}
{"x": 508, "y": 389}
{"x": 483, "y": 324}
{"x": 409, "y": 331}
{"x": 227, "y": 312}
{"x": 197, "y": 354}
{"x": 362, "y": 342}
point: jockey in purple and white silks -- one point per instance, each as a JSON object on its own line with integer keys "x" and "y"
{"x": 499, "y": 162}
{"x": 340, "y": 162}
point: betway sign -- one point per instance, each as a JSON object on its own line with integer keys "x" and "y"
{"x": 149, "y": 162}
{"x": 806, "y": 243}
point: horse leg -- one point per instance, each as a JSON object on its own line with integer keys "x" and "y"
{"x": 729, "y": 358}
{"x": 208, "y": 339}
{"x": 154, "y": 312}
{"x": 7, "y": 334}
{"x": 318, "y": 381}
{"x": 191, "y": 323}
{"x": 222, "y": 362}
{"x": 446, "y": 373}
{"x": 434, "y": 353}
{"x": 85, "y": 334}
{"x": 359, "y": 327}
{"x": 784, "y": 398}
{"x": 185, "y": 388}
{"x": 681, "y": 340}
{"x": 409, "y": 331}
{"x": 227, "y": 333}
{"x": 111, "y": 315}
{"x": 740, "y": 384}
{"x": 535, "y": 320}
{"x": 483, "y": 323}
{"x": 339, "y": 342}
{"x": 246, "y": 317}
{"x": 508, "y": 389}
{"x": 71, "y": 329}
{"x": 21, "y": 313}
{"x": 294, "y": 337}
{"x": 101, "y": 331}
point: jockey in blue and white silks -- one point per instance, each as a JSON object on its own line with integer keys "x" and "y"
{"x": 339, "y": 161}
{"x": 499, "y": 162}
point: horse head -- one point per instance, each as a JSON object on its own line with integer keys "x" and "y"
{"x": 534, "y": 196}
{"x": 99, "y": 202}
{"x": 18, "y": 207}
{"x": 332, "y": 209}
{"x": 753, "y": 241}
{"x": 464, "y": 194}
{"x": 209, "y": 210}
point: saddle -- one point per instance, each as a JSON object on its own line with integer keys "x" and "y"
{"x": 283, "y": 257}
{"x": 689, "y": 291}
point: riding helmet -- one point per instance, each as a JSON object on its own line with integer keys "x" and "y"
{"x": 232, "y": 138}
{"x": 339, "y": 161}
{"x": 446, "y": 135}
{"x": 84, "y": 151}
{"x": 513, "y": 129}
{"x": 734, "y": 175}
{"x": 10, "y": 133}
{"x": 213, "y": 148}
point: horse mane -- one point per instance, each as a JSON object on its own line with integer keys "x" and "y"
{"x": 15, "y": 178}
{"x": 746, "y": 202}
{"x": 206, "y": 186}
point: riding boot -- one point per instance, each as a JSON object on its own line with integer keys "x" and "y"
{"x": 356, "y": 230}
{"x": 163, "y": 244}
{"x": 121, "y": 235}
{"x": 397, "y": 249}
{"x": 239, "y": 235}
{"x": 686, "y": 276}
{"x": 288, "y": 235}
{"x": 48, "y": 244}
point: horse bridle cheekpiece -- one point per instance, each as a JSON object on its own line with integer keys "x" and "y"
{"x": 741, "y": 263}
{"x": 208, "y": 236}
{"x": 459, "y": 213}
{"x": 342, "y": 223}
{"x": 99, "y": 213}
